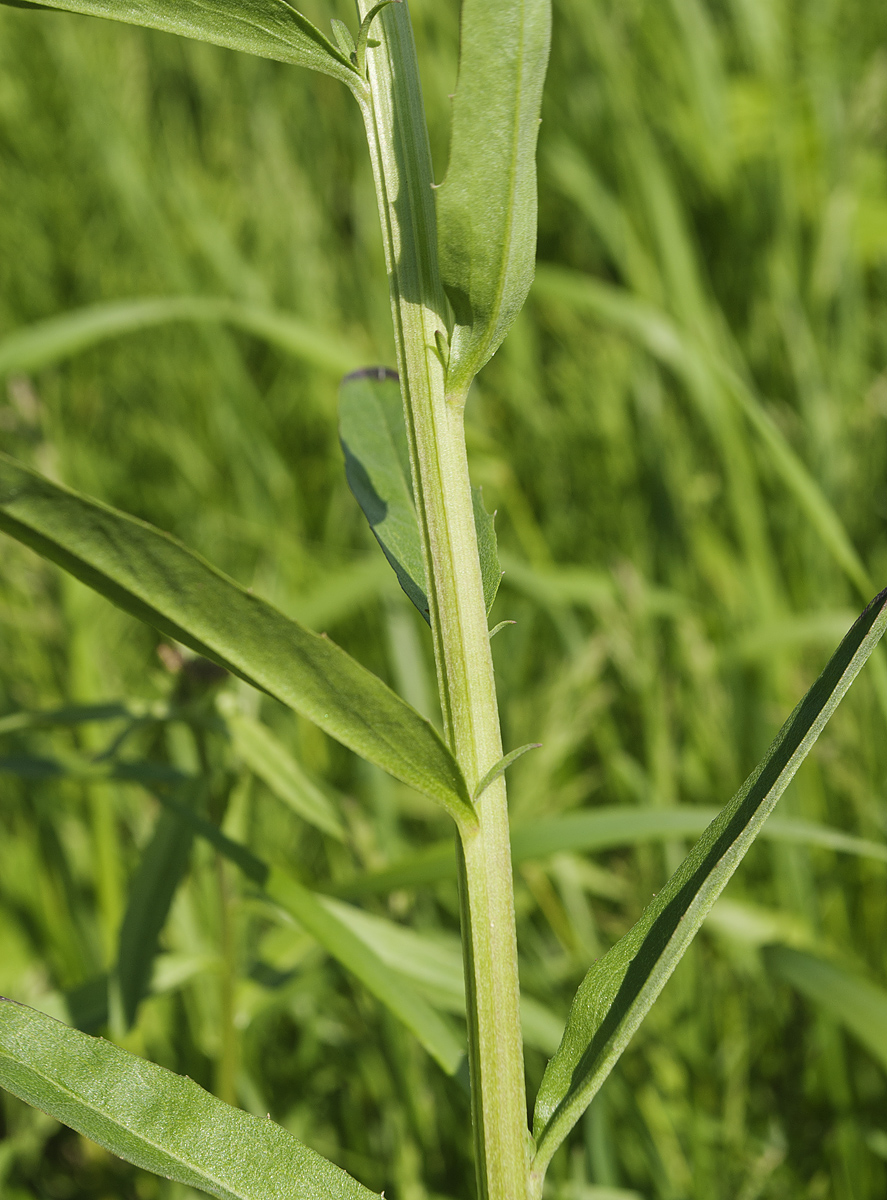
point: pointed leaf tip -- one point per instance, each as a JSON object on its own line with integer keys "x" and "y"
{"x": 621, "y": 987}
{"x": 502, "y": 766}
{"x": 266, "y": 28}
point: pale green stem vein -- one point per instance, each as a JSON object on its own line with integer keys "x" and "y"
{"x": 394, "y": 118}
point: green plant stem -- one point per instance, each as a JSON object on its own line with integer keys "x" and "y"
{"x": 397, "y": 135}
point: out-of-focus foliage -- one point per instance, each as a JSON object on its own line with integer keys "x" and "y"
{"x": 688, "y": 464}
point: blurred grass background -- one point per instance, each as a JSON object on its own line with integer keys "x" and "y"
{"x": 685, "y": 437}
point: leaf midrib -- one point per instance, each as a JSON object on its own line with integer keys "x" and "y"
{"x": 117, "y": 1123}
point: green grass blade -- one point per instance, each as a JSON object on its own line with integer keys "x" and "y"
{"x": 426, "y": 866}
{"x": 34, "y": 766}
{"x": 267, "y": 28}
{"x": 161, "y": 869}
{"x": 859, "y": 1005}
{"x": 486, "y": 206}
{"x": 435, "y": 965}
{"x": 43, "y": 343}
{"x": 595, "y": 830}
{"x": 160, "y": 1121}
{"x": 241, "y": 856}
{"x": 432, "y": 963}
{"x": 77, "y": 714}
{"x": 621, "y": 987}
{"x": 281, "y": 773}
{"x": 701, "y": 371}
{"x": 361, "y": 959}
{"x": 157, "y": 778}
{"x": 154, "y": 577}
{"x": 377, "y": 466}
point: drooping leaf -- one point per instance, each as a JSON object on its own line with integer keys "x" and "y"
{"x": 620, "y": 988}
{"x": 486, "y": 206}
{"x": 377, "y": 466}
{"x": 161, "y": 869}
{"x": 360, "y": 958}
{"x": 157, "y": 1120}
{"x": 857, "y": 1003}
{"x": 281, "y": 772}
{"x": 154, "y": 577}
{"x": 54, "y": 339}
{"x": 267, "y": 28}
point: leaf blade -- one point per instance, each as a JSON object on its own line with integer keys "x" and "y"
{"x": 502, "y": 766}
{"x": 373, "y": 436}
{"x": 154, "y": 577}
{"x": 621, "y": 987}
{"x": 281, "y": 772}
{"x": 157, "y": 1120}
{"x": 855, "y": 1002}
{"x": 266, "y": 28}
{"x": 486, "y": 206}
{"x": 325, "y": 924}
{"x": 487, "y": 548}
{"x": 162, "y": 866}
{"x": 596, "y": 830}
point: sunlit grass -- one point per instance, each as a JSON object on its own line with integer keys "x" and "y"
{"x": 722, "y": 168}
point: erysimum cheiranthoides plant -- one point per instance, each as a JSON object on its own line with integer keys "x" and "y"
{"x": 460, "y": 263}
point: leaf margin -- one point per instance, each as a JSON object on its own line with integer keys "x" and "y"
{"x": 561, "y": 1099}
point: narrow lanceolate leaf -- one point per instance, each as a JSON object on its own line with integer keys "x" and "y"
{"x": 502, "y": 766}
{"x": 160, "y": 871}
{"x": 153, "y": 576}
{"x": 486, "y": 206}
{"x": 377, "y": 466}
{"x": 327, "y": 926}
{"x": 267, "y": 28}
{"x": 621, "y": 987}
{"x": 281, "y": 772}
{"x": 487, "y": 547}
{"x": 856, "y": 1003}
{"x": 160, "y": 1121}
